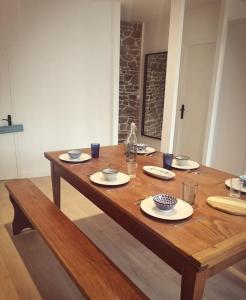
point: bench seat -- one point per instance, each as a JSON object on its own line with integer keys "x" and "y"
{"x": 95, "y": 275}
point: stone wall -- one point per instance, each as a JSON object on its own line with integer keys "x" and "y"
{"x": 155, "y": 75}
{"x": 130, "y": 54}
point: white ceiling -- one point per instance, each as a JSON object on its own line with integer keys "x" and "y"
{"x": 141, "y": 10}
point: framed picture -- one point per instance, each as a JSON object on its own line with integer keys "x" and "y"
{"x": 153, "y": 94}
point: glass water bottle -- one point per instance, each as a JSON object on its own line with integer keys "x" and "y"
{"x": 131, "y": 151}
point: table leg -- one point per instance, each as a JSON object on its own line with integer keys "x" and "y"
{"x": 193, "y": 283}
{"x": 56, "y": 185}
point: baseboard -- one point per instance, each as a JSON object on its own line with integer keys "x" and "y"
{"x": 31, "y": 174}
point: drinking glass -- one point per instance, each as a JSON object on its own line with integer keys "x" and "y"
{"x": 235, "y": 188}
{"x": 189, "y": 191}
{"x": 95, "y": 147}
{"x": 132, "y": 169}
{"x": 167, "y": 161}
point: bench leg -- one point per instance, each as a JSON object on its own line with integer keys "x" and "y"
{"x": 193, "y": 283}
{"x": 20, "y": 221}
{"x": 56, "y": 185}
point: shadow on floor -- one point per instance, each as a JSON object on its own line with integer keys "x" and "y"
{"x": 146, "y": 270}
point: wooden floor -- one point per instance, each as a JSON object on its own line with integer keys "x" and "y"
{"x": 28, "y": 269}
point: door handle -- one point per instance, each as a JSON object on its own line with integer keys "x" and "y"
{"x": 9, "y": 120}
{"x": 182, "y": 109}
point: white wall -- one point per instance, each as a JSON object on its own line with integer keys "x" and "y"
{"x": 155, "y": 39}
{"x": 230, "y": 10}
{"x": 236, "y": 9}
{"x": 229, "y": 151}
{"x": 172, "y": 74}
{"x": 64, "y": 75}
{"x": 156, "y": 32}
{"x": 201, "y": 23}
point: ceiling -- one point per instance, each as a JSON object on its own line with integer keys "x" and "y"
{"x": 141, "y": 10}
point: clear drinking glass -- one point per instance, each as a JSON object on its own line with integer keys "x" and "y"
{"x": 235, "y": 188}
{"x": 132, "y": 168}
{"x": 189, "y": 190}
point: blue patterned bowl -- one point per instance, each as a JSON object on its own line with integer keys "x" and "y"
{"x": 164, "y": 202}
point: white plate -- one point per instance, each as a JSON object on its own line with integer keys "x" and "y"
{"x": 228, "y": 184}
{"x": 159, "y": 172}
{"x": 100, "y": 179}
{"x": 148, "y": 150}
{"x": 83, "y": 157}
{"x": 190, "y": 165}
{"x": 181, "y": 210}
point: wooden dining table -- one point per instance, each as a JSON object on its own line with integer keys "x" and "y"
{"x": 196, "y": 247}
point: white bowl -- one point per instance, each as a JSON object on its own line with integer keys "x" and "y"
{"x": 74, "y": 154}
{"x": 110, "y": 174}
{"x": 182, "y": 160}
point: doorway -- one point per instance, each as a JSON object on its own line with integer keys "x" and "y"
{"x": 194, "y": 92}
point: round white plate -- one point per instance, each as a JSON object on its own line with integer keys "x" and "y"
{"x": 159, "y": 172}
{"x": 190, "y": 165}
{"x": 100, "y": 179}
{"x": 181, "y": 210}
{"x": 148, "y": 150}
{"x": 228, "y": 184}
{"x": 83, "y": 157}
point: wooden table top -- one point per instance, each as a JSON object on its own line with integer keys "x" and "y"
{"x": 202, "y": 238}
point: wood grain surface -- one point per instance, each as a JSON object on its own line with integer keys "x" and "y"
{"x": 230, "y": 205}
{"x": 96, "y": 276}
{"x": 178, "y": 243}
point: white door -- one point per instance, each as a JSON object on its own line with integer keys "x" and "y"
{"x": 64, "y": 60}
{"x": 8, "y": 167}
{"x": 194, "y": 93}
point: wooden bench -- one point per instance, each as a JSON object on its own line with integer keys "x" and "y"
{"x": 95, "y": 275}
